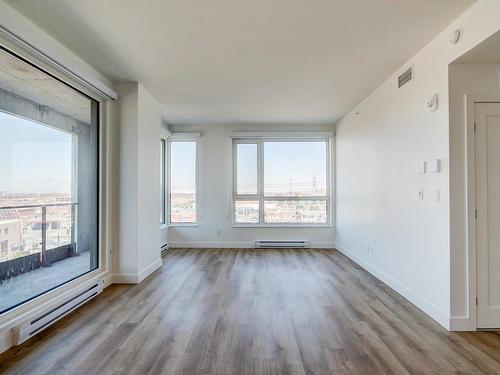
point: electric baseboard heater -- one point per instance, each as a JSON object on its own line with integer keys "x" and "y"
{"x": 282, "y": 244}
{"x": 28, "y": 329}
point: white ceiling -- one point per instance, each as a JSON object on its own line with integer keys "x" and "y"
{"x": 247, "y": 61}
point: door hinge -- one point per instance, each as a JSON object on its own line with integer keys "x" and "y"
{"x": 475, "y": 213}
{"x": 475, "y": 127}
{"x": 477, "y": 303}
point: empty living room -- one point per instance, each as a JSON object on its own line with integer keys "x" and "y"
{"x": 258, "y": 187}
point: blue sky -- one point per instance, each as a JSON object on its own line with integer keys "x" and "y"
{"x": 33, "y": 157}
{"x": 298, "y": 161}
{"x": 284, "y": 162}
{"x": 247, "y": 168}
{"x": 183, "y": 166}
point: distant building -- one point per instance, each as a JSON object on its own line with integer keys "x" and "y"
{"x": 10, "y": 234}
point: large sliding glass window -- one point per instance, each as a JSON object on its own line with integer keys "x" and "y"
{"x": 48, "y": 182}
{"x": 281, "y": 181}
{"x": 182, "y": 204}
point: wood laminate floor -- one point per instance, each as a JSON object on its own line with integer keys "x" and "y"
{"x": 253, "y": 312}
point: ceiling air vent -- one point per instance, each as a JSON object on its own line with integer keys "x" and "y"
{"x": 406, "y": 77}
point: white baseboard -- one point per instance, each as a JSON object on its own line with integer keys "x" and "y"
{"x": 462, "y": 323}
{"x": 107, "y": 280}
{"x": 150, "y": 269}
{"x": 123, "y": 278}
{"x": 422, "y": 303}
{"x": 323, "y": 245}
{"x": 211, "y": 245}
{"x": 119, "y": 278}
{"x": 237, "y": 245}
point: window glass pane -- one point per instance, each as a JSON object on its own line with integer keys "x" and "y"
{"x": 295, "y": 168}
{"x": 246, "y": 212}
{"x": 183, "y": 182}
{"x": 58, "y": 223}
{"x": 298, "y": 212}
{"x": 48, "y": 182}
{"x": 162, "y": 181}
{"x": 246, "y": 169}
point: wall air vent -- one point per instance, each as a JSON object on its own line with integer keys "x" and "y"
{"x": 405, "y": 77}
{"x": 282, "y": 244}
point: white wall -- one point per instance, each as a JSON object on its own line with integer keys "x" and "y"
{"x": 126, "y": 118}
{"x": 381, "y": 224}
{"x": 463, "y": 79}
{"x": 148, "y": 211}
{"x": 139, "y": 119}
{"x": 215, "y": 198}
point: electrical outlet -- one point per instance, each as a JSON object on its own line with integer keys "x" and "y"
{"x": 437, "y": 195}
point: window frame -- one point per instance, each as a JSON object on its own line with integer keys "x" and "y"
{"x": 260, "y": 139}
{"x": 102, "y": 117}
{"x": 163, "y": 180}
{"x": 183, "y": 137}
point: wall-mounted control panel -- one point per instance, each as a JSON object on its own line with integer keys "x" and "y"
{"x": 432, "y": 103}
{"x": 434, "y": 166}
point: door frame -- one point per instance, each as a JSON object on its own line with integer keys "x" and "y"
{"x": 470, "y": 101}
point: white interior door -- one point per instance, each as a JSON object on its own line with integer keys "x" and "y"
{"x": 487, "y": 150}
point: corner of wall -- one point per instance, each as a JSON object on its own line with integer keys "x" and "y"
{"x": 137, "y": 278}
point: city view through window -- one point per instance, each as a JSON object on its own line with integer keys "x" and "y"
{"x": 182, "y": 182}
{"x": 36, "y": 173}
{"x": 48, "y": 182}
{"x": 289, "y": 187}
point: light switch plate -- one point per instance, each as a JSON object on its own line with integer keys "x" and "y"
{"x": 435, "y": 166}
{"x": 421, "y": 167}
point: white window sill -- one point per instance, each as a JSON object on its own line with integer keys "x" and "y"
{"x": 182, "y": 225}
{"x": 282, "y": 225}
